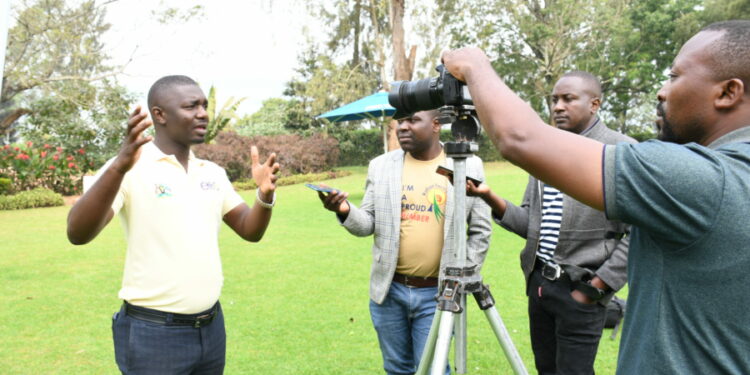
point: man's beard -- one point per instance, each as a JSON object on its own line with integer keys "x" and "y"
{"x": 666, "y": 132}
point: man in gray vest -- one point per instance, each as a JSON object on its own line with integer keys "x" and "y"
{"x": 686, "y": 197}
{"x": 575, "y": 259}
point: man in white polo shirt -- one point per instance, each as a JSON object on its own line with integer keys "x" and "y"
{"x": 171, "y": 205}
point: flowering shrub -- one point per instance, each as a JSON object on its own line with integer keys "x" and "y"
{"x": 29, "y": 166}
{"x": 295, "y": 154}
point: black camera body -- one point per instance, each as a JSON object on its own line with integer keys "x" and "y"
{"x": 444, "y": 93}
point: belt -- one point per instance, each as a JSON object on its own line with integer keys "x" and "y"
{"x": 415, "y": 281}
{"x": 198, "y": 320}
{"x": 549, "y": 271}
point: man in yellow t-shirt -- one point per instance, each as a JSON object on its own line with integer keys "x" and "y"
{"x": 409, "y": 209}
{"x": 171, "y": 205}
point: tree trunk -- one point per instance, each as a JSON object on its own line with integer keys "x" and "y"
{"x": 357, "y": 30}
{"x": 8, "y": 119}
{"x": 403, "y": 65}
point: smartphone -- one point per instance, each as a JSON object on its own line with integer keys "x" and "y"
{"x": 321, "y": 188}
{"x": 447, "y": 172}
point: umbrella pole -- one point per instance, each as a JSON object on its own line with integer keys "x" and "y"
{"x": 385, "y": 128}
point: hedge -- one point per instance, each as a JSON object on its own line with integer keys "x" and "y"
{"x": 295, "y": 179}
{"x": 39, "y": 197}
{"x": 5, "y": 185}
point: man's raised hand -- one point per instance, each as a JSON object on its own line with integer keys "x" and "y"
{"x": 264, "y": 174}
{"x": 335, "y": 201}
{"x": 461, "y": 61}
{"x": 131, "y": 147}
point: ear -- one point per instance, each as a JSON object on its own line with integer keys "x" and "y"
{"x": 436, "y": 125}
{"x": 732, "y": 91}
{"x": 158, "y": 115}
{"x": 595, "y": 104}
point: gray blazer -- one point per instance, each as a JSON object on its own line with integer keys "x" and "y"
{"x": 587, "y": 239}
{"x": 380, "y": 214}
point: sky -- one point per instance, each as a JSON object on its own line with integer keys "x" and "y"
{"x": 243, "y": 48}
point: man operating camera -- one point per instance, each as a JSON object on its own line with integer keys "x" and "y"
{"x": 685, "y": 195}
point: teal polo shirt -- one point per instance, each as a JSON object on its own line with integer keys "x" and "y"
{"x": 688, "y": 306}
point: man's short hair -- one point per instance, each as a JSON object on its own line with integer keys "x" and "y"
{"x": 165, "y": 83}
{"x": 593, "y": 86}
{"x": 730, "y": 55}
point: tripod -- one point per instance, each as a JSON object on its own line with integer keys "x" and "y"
{"x": 459, "y": 280}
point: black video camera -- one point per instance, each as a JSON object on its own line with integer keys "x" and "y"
{"x": 445, "y": 93}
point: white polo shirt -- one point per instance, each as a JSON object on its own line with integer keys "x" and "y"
{"x": 171, "y": 220}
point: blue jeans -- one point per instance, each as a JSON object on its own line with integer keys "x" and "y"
{"x": 403, "y": 322}
{"x": 143, "y": 347}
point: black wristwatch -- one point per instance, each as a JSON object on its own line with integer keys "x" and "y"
{"x": 590, "y": 291}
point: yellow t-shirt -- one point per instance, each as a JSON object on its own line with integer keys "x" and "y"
{"x": 423, "y": 198}
{"x": 171, "y": 219}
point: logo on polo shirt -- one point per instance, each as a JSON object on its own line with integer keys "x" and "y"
{"x": 162, "y": 190}
{"x": 209, "y": 185}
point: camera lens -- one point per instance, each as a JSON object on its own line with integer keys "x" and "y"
{"x": 409, "y": 97}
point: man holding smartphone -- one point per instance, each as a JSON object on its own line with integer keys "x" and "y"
{"x": 575, "y": 259}
{"x": 409, "y": 209}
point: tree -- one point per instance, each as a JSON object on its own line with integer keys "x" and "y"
{"x": 367, "y": 38}
{"x": 218, "y": 119}
{"x": 722, "y": 10}
{"x": 54, "y": 53}
{"x": 268, "y": 120}
{"x": 627, "y": 43}
{"x": 322, "y": 85}
{"x": 59, "y": 85}
{"x": 95, "y": 126}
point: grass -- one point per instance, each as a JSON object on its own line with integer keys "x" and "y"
{"x": 295, "y": 303}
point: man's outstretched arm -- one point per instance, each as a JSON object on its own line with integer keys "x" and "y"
{"x": 570, "y": 162}
{"x": 251, "y": 224}
{"x": 94, "y": 209}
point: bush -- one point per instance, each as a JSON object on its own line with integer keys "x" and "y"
{"x": 295, "y": 179}
{"x": 4, "y": 185}
{"x": 30, "y": 167}
{"x": 358, "y": 147}
{"x": 643, "y": 135}
{"x": 39, "y": 197}
{"x": 295, "y": 154}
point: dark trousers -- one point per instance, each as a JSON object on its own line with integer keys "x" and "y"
{"x": 145, "y": 348}
{"x": 564, "y": 332}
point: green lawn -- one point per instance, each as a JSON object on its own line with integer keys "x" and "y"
{"x": 296, "y": 303}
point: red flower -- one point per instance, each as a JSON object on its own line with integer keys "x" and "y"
{"x": 69, "y": 158}
{"x": 51, "y": 167}
{"x": 59, "y": 149}
{"x": 43, "y": 154}
{"x": 16, "y": 148}
{"x": 71, "y": 165}
{"x": 81, "y": 151}
{"x": 56, "y": 157}
{"x": 6, "y": 147}
{"x": 46, "y": 145}
{"x": 22, "y": 156}
{"x": 29, "y": 144}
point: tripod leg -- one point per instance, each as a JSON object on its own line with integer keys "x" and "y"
{"x": 505, "y": 342}
{"x": 429, "y": 345}
{"x": 440, "y": 360}
{"x": 460, "y": 345}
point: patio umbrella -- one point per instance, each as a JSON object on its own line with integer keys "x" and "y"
{"x": 368, "y": 108}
